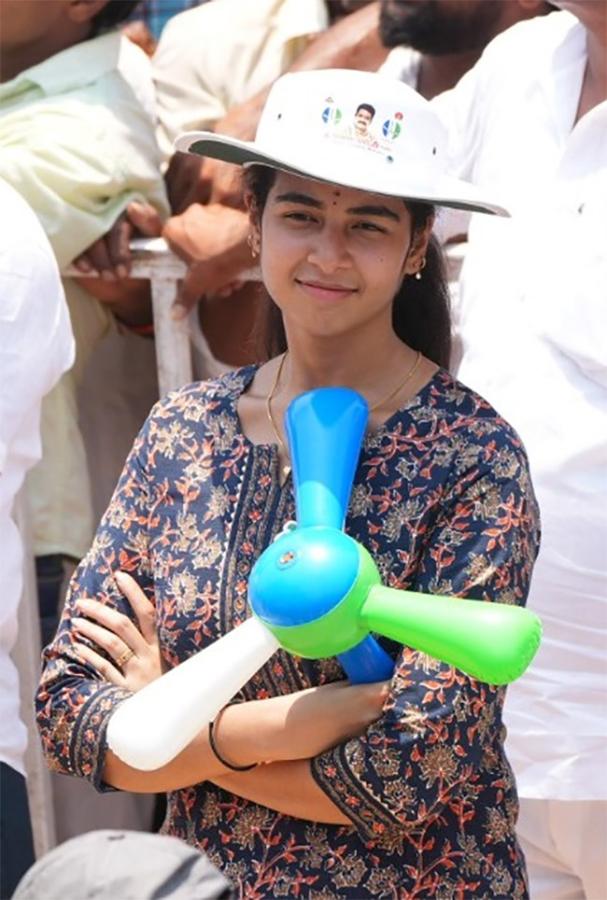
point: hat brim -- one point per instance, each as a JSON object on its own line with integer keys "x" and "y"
{"x": 445, "y": 190}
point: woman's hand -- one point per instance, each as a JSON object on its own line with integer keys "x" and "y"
{"x": 301, "y": 725}
{"x": 322, "y": 717}
{"x": 135, "y": 653}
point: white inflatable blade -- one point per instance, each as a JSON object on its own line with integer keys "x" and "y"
{"x": 150, "y": 728}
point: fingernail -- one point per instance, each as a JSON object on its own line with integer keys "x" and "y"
{"x": 122, "y": 271}
{"x": 178, "y": 312}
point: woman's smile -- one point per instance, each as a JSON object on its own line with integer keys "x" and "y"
{"x": 324, "y": 291}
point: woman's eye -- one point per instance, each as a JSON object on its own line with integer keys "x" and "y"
{"x": 299, "y": 217}
{"x": 369, "y": 226}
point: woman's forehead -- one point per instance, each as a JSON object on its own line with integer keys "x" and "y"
{"x": 327, "y": 192}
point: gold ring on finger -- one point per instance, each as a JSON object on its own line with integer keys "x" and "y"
{"x": 124, "y": 657}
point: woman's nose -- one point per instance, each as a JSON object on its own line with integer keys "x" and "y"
{"x": 330, "y": 251}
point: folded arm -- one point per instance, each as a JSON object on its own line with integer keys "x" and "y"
{"x": 83, "y": 683}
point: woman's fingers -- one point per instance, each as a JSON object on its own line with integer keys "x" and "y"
{"x": 116, "y": 622}
{"x": 144, "y": 218}
{"x": 119, "y": 650}
{"x": 142, "y": 607}
{"x": 135, "y": 658}
{"x": 100, "y": 664}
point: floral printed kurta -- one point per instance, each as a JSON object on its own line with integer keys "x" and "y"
{"x": 442, "y": 500}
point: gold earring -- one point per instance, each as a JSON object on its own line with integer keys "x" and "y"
{"x": 422, "y": 266}
{"x": 253, "y": 242}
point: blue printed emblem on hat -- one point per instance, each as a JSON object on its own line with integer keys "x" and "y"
{"x": 331, "y": 114}
{"x": 392, "y": 127}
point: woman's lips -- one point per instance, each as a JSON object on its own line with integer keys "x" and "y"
{"x": 323, "y": 291}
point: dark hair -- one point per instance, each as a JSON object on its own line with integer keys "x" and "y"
{"x": 420, "y": 312}
{"x": 367, "y": 107}
{"x": 113, "y": 13}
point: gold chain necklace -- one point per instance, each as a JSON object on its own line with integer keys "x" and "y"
{"x": 286, "y": 470}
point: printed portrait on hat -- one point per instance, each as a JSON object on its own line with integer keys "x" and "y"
{"x": 360, "y": 129}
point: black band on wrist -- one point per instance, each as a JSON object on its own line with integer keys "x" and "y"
{"x": 218, "y": 755}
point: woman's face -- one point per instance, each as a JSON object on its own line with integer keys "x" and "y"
{"x": 332, "y": 257}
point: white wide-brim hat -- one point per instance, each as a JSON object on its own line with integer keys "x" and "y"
{"x": 313, "y": 125}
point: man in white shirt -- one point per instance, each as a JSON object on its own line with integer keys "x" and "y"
{"x": 36, "y": 347}
{"x": 434, "y": 42}
{"x": 531, "y": 121}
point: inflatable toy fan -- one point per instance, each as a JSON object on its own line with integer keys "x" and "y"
{"x": 316, "y": 592}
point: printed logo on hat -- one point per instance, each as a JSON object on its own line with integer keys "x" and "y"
{"x": 392, "y": 127}
{"x": 331, "y": 114}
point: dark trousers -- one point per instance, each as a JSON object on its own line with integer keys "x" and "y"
{"x": 16, "y": 843}
{"x": 49, "y": 579}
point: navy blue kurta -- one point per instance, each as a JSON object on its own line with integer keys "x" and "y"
{"x": 443, "y": 501}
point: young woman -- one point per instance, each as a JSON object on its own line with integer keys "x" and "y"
{"x": 315, "y": 788}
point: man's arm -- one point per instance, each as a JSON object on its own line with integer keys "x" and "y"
{"x": 351, "y": 43}
{"x": 105, "y": 266}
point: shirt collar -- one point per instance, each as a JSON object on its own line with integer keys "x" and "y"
{"x": 565, "y": 65}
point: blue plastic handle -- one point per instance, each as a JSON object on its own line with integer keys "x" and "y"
{"x": 325, "y": 428}
{"x": 367, "y": 662}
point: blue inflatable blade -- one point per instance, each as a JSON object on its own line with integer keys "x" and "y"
{"x": 367, "y": 662}
{"x": 325, "y": 428}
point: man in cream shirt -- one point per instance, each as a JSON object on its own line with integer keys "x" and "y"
{"x": 77, "y": 142}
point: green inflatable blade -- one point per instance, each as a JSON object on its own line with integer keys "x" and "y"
{"x": 493, "y": 642}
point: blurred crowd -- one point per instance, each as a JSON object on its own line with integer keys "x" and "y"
{"x": 93, "y": 95}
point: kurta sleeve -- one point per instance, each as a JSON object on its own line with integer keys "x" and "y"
{"x": 74, "y": 702}
{"x": 440, "y": 727}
